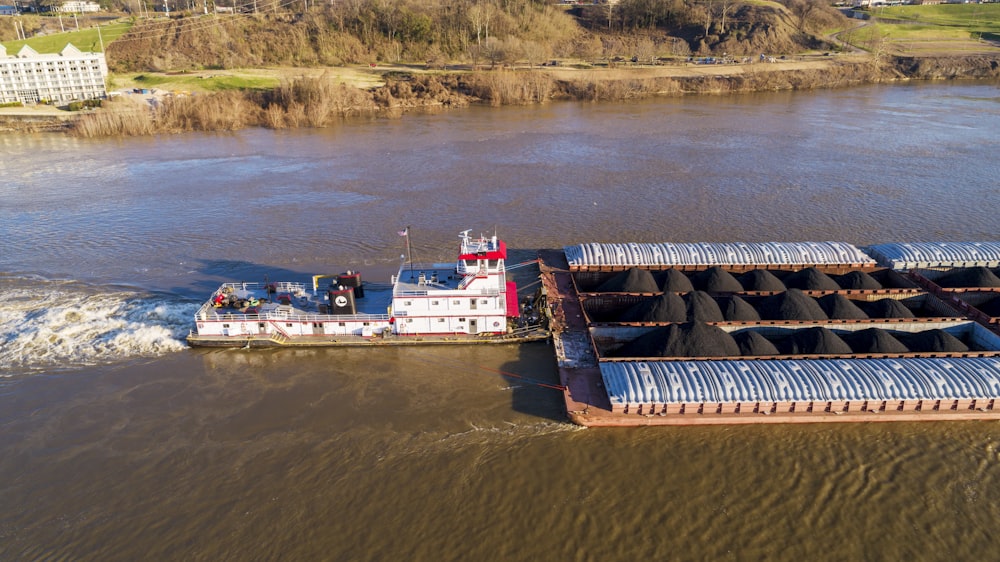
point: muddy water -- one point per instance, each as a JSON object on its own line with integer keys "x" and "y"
{"x": 118, "y": 443}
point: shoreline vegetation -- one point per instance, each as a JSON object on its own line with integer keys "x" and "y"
{"x": 323, "y": 100}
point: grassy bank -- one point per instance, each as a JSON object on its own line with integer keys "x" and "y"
{"x": 932, "y": 30}
{"x": 92, "y": 39}
{"x": 322, "y": 100}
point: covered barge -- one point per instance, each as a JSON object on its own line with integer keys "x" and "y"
{"x": 680, "y": 334}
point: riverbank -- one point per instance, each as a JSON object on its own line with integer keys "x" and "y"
{"x": 319, "y": 97}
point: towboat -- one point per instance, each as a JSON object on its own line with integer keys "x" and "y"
{"x": 468, "y": 301}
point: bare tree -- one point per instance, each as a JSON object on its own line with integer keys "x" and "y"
{"x": 480, "y": 16}
{"x": 645, "y": 51}
{"x": 493, "y": 50}
{"x": 802, "y": 9}
{"x": 533, "y": 51}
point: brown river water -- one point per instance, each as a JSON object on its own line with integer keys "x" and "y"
{"x": 117, "y": 442}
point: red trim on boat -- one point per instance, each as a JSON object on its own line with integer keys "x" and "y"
{"x": 513, "y": 310}
{"x": 500, "y": 254}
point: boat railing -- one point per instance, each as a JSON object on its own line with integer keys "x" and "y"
{"x": 216, "y": 315}
{"x": 447, "y": 294}
{"x": 278, "y": 287}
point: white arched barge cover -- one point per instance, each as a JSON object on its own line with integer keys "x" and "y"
{"x": 710, "y": 253}
{"x": 676, "y": 382}
{"x": 936, "y": 254}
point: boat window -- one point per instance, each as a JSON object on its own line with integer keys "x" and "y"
{"x": 461, "y": 319}
{"x": 440, "y": 320}
{"x": 341, "y": 323}
{"x": 407, "y": 303}
{"x": 483, "y": 301}
{"x": 456, "y": 302}
{"x": 225, "y": 325}
{"x": 435, "y": 303}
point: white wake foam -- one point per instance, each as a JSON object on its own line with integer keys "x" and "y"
{"x": 48, "y": 324}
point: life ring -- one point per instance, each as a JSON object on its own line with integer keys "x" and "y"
{"x": 496, "y": 324}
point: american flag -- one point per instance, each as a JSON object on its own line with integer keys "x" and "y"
{"x": 404, "y": 232}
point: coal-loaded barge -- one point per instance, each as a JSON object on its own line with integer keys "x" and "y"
{"x": 683, "y": 334}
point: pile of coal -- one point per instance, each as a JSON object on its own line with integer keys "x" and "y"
{"x": 990, "y": 307}
{"x": 692, "y": 339}
{"x": 932, "y": 341}
{"x": 752, "y": 344}
{"x": 874, "y": 340}
{"x": 668, "y": 307}
{"x": 810, "y": 279}
{"x": 735, "y": 309}
{"x": 632, "y": 280}
{"x": 858, "y": 280}
{"x": 793, "y": 304}
{"x": 815, "y": 341}
{"x": 701, "y": 307}
{"x": 761, "y": 280}
{"x": 675, "y": 280}
{"x": 887, "y": 308}
{"x": 839, "y": 307}
{"x": 716, "y": 280}
{"x": 969, "y": 277}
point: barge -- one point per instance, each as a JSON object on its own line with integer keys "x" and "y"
{"x": 468, "y": 301}
{"x": 648, "y": 334}
{"x": 680, "y": 334}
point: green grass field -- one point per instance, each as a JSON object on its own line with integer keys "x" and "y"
{"x": 204, "y": 82}
{"x": 972, "y": 18}
{"x": 87, "y": 40}
{"x": 940, "y": 29}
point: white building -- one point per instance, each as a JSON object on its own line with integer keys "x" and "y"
{"x": 78, "y": 6}
{"x": 29, "y": 77}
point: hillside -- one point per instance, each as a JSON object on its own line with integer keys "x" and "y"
{"x": 413, "y": 32}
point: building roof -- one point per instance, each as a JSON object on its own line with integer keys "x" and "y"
{"x": 675, "y": 382}
{"x": 709, "y": 254}
{"x": 936, "y": 254}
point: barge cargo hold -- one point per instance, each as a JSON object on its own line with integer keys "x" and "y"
{"x": 949, "y": 367}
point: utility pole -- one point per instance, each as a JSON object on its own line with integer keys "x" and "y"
{"x": 166, "y": 8}
{"x": 61, "y": 28}
{"x": 77, "y": 21}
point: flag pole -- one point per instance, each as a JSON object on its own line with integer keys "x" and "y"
{"x": 409, "y": 259}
